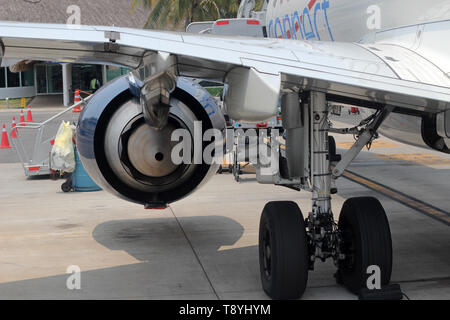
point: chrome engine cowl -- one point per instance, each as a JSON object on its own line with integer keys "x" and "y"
{"x": 414, "y": 130}
{"x": 132, "y": 160}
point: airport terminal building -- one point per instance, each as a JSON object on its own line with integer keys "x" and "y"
{"x": 54, "y": 79}
{"x": 50, "y": 78}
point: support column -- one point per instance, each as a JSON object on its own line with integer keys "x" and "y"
{"x": 104, "y": 75}
{"x": 67, "y": 83}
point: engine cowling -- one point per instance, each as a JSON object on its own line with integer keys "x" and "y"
{"x": 130, "y": 159}
{"x": 419, "y": 131}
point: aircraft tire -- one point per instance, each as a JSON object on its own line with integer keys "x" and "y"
{"x": 332, "y": 146}
{"x": 283, "y": 251}
{"x": 366, "y": 241}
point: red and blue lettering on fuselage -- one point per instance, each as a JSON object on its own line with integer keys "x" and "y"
{"x": 304, "y": 26}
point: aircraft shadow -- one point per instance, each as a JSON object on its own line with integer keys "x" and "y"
{"x": 167, "y": 267}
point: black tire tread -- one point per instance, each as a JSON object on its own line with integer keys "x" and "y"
{"x": 369, "y": 222}
{"x": 290, "y": 270}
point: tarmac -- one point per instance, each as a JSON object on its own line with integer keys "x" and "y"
{"x": 205, "y": 246}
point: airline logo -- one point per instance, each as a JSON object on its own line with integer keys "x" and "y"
{"x": 310, "y": 24}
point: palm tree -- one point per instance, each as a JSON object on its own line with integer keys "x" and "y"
{"x": 171, "y": 13}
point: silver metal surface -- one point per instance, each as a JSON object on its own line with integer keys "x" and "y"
{"x": 320, "y": 170}
{"x": 143, "y": 146}
{"x": 404, "y": 128}
{"x": 150, "y": 150}
{"x": 295, "y": 121}
{"x": 155, "y": 99}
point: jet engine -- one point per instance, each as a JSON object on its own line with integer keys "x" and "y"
{"x": 425, "y": 132}
{"x": 126, "y": 156}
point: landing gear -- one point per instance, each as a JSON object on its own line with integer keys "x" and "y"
{"x": 290, "y": 245}
{"x": 283, "y": 251}
{"x": 365, "y": 241}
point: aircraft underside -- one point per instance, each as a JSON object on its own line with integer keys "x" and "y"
{"x": 113, "y": 130}
{"x": 125, "y": 132}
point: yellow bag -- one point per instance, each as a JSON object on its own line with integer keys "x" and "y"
{"x": 63, "y": 156}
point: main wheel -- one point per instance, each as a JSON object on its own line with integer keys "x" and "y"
{"x": 332, "y": 150}
{"x": 366, "y": 241}
{"x": 283, "y": 251}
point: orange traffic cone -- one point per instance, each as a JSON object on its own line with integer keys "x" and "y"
{"x": 5, "y": 141}
{"x": 13, "y": 125}
{"x": 29, "y": 115}
{"x": 77, "y": 99}
{"x": 22, "y": 119}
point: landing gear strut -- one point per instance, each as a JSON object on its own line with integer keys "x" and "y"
{"x": 289, "y": 245}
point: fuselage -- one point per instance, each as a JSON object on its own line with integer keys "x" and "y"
{"x": 393, "y": 22}
{"x": 348, "y": 20}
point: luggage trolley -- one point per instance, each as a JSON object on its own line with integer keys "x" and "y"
{"x": 37, "y": 162}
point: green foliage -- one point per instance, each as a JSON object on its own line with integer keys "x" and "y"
{"x": 13, "y": 103}
{"x": 215, "y": 91}
{"x": 259, "y": 4}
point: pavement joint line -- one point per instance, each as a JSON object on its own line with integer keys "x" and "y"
{"x": 195, "y": 254}
{"x": 409, "y": 201}
{"x": 156, "y": 296}
{"x": 424, "y": 280}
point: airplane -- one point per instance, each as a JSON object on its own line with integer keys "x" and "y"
{"x": 389, "y": 56}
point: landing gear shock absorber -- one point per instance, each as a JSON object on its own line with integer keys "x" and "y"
{"x": 288, "y": 244}
{"x": 322, "y": 230}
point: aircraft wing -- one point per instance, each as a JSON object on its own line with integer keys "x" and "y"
{"x": 374, "y": 74}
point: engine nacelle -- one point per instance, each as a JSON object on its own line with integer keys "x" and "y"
{"x": 132, "y": 160}
{"x": 419, "y": 131}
